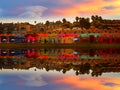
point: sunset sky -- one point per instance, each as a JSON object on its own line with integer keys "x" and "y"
{"x": 40, "y": 10}
{"x": 57, "y": 81}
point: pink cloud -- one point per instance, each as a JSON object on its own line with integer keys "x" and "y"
{"x": 89, "y": 83}
{"x": 32, "y": 12}
{"x": 90, "y": 7}
{"x": 33, "y": 80}
{"x": 1, "y": 10}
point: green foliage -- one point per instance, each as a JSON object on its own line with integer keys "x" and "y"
{"x": 84, "y": 23}
{"x": 66, "y": 24}
{"x": 47, "y": 23}
{"x": 97, "y": 21}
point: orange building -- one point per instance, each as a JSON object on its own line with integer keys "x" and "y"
{"x": 23, "y": 28}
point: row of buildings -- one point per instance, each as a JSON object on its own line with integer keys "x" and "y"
{"x": 21, "y": 28}
{"x": 27, "y": 28}
{"x": 64, "y": 37}
{"x": 42, "y": 33}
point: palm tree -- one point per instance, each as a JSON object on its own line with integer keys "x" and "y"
{"x": 97, "y": 21}
{"x": 47, "y": 23}
{"x": 76, "y": 18}
{"x": 93, "y": 18}
{"x": 35, "y": 25}
{"x": 64, "y": 22}
{"x": 58, "y": 24}
{"x": 35, "y": 22}
{"x": 76, "y": 23}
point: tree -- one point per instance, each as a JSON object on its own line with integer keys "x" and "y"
{"x": 64, "y": 20}
{"x": 76, "y": 18}
{"x": 76, "y": 23}
{"x": 58, "y": 24}
{"x": 84, "y": 23}
{"x": 97, "y": 21}
{"x": 66, "y": 24}
{"x": 35, "y": 22}
{"x": 47, "y": 23}
{"x": 87, "y": 23}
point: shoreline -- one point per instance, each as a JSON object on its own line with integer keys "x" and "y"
{"x": 82, "y": 45}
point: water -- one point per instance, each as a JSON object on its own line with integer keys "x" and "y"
{"x": 60, "y": 69}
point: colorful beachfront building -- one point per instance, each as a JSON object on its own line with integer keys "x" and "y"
{"x": 43, "y": 38}
{"x": 31, "y": 38}
{"x": 67, "y": 38}
{"x": 7, "y": 38}
{"x": 57, "y": 38}
{"x": 64, "y": 37}
{"x": 12, "y": 38}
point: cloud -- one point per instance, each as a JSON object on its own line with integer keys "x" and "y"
{"x": 1, "y": 11}
{"x": 111, "y": 84}
{"x": 109, "y": 7}
{"x": 108, "y": 0}
{"x": 90, "y": 7}
{"x": 1, "y": 81}
{"x": 33, "y": 12}
{"x": 33, "y": 80}
{"x": 60, "y": 8}
{"x": 90, "y": 83}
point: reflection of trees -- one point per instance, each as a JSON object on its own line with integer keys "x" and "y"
{"x": 64, "y": 71}
{"x": 66, "y": 67}
{"x": 84, "y": 68}
{"x": 97, "y": 70}
{"x": 81, "y": 68}
{"x": 47, "y": 68}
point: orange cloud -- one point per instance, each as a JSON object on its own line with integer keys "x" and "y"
{"x": 90, "y": 7}
{"x": 91, "y": 83}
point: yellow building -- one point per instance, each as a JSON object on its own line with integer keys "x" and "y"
{"x": 23, "y": 28}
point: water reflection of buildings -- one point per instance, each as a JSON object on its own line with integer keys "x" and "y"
{"x": 81, "y": 61}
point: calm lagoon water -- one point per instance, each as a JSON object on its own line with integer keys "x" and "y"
{"x": 60, "y": 69}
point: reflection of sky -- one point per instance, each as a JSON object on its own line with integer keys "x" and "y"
{"x": 88, "y": 83}
{"x": 57, "y": 81}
